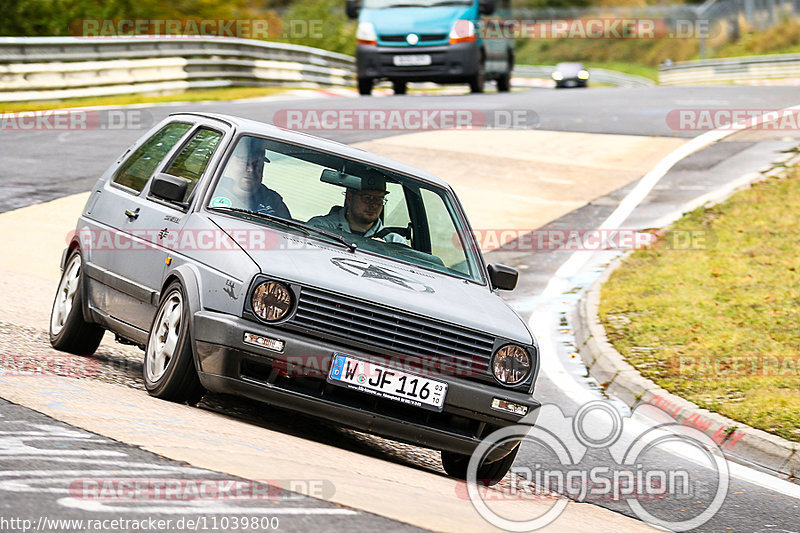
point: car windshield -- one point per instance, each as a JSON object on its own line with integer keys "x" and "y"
{"x": 345, "y": 200}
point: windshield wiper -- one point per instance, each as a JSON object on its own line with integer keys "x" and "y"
{"x": 450, "y": 3}
{"x": 289, "y": 223}
{"x": 407, "y": 5}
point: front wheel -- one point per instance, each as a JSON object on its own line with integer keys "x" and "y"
{"x": 365, "y": 86}
{"x": 478, "y": 80}
{"x": 169, "y": 371}
{"x": 69, "y": 332}
{"x": 455, "y": 464}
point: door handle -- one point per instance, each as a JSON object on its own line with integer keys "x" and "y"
{"x": 132, "y": 215}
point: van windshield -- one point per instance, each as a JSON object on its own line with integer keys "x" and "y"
{"x": 368, "y": 207}
{"x": 382, "y": 4}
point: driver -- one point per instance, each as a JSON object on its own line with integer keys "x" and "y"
{"x": 241, "y": 185}
{"x": 362, "y": 210}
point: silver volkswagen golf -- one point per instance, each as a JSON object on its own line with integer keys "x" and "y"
{"x": 304, "y": 273}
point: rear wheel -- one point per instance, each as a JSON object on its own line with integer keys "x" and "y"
{"x": 399, "y": 87}
{"x": 504, "y": 82}
{"x": 455, "y": 464}
{"x": 169, "y": 371}
{"x": 365, "y": 86}
{"x": 69, "y": 332}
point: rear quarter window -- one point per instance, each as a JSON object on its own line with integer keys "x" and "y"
{"x": 138, "y": 168}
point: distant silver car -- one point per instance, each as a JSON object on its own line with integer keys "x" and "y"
{"x": 570, "y": 75}
{"x": 308, "y": 274}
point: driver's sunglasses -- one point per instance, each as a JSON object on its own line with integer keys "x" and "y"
{"x": 371, "y": 199}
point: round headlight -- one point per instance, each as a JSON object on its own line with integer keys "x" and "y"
{"x": 511, "y": 364}
{"x": 272, "y": 301}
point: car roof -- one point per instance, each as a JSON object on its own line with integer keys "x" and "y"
{"x": 244, "y": 125}
{"x": 570, "y": 64}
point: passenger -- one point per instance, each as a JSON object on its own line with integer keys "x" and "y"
{"x": 241, "y": 183}
{"x": 362, "y": 210}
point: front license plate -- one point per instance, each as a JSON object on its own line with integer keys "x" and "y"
{"x": 386, "y": 382}
{"x": 419, "y": 60}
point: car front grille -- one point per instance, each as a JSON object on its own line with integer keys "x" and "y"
{"x": 393, "y": 331}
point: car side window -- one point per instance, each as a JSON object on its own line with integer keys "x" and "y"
{"x": 192, "y": 161}
{"x": 135, "y": 172}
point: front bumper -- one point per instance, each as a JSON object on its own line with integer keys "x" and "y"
{"x": 450, "y": 63}
{"x": 226, "y": 364}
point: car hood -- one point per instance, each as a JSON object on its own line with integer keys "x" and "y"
{"x": 366, "y": 276}
{"x": 419, "y": 20}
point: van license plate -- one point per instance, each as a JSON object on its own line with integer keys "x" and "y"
{"x": 387, "y": 383}
{"x": 419, "y": 60}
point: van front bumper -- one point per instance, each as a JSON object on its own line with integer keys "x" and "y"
{"x": 450, "y": 63}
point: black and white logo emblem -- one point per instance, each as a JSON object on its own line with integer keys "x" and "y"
{"x": 382, "y": 275}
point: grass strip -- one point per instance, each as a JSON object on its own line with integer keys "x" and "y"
{"x": 192, "y": 95}
{"x": 711, "y": 311}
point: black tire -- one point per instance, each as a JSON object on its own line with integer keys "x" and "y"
{"x": 69, "y": 331}
{"x": 504, "y": 83}
{"x": 477, "y": 81}
{"x": 399, "y": 87}
{"x": 171, "y": 374}
{"x": 455, "y": 464}
{"x": 365, "y": 86}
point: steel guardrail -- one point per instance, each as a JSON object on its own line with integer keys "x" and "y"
{"x": 41, "y": 68}
{"x": 761, "y": 70}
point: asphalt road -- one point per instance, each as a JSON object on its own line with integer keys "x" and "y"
{"x": 36, "y": 166}
{"x": 42, "y": 165}
{"x": 59, "y": 478}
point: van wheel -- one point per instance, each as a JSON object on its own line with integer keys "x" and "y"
{"x": 479, "y": 79}
{"x": 169, "y": 371}
{"x": 504, "y": 82}
{"x": 69, "y": 332}
{"x": 365, "y": 86}
{"x": 399, "y": 87}
{"x": 455, "y": 464}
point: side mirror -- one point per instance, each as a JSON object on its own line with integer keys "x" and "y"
{"x": 502, "y": 277}
{"x": 486, "y": 7}
{"x": 352, "y": 8}
{"x": 170, "y": 188}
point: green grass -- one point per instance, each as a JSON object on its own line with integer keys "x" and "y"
{"x": 720, "y": 325}
{"x": 644, "y": 71}
{"x": 194, "y": 95}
